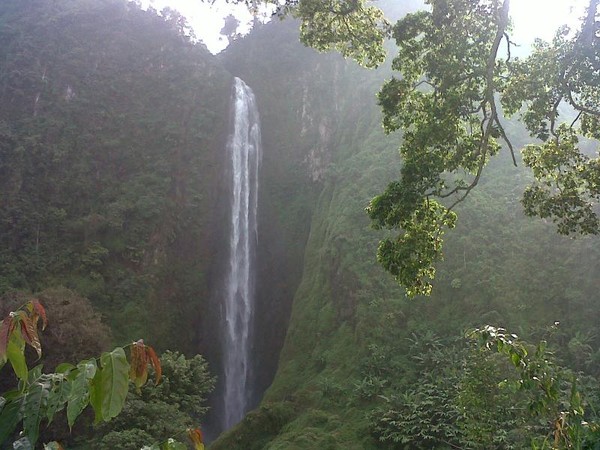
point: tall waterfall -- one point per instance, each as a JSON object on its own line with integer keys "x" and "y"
{"x": 244, "y": 148}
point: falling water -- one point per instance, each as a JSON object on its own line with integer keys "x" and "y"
{"x": 244, "y": 148}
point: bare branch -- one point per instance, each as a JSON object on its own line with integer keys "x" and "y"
{"x": 420, "y": 83}
{"x": 508, "y": 43}
{"x": 578, "y": 106}
{"x": 576, "y": 119}
{"x": 553, "y": 116}
{"x": 507, "y": 140}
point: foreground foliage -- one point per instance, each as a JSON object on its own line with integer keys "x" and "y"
{"x": 148, "y": 415}
{"x": 65, "y": 339}
{"x": 468, "y": 396}
{"x": 101, "y": 383}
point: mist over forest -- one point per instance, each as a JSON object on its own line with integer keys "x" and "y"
{"x": 363, "y": 226}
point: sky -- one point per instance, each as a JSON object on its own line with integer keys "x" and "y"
{"x": 541, "y": 18}
{"x": 206, "y": 19}
{"x": 532, "y": 18}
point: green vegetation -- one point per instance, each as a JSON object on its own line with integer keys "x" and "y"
{"x": 103, "y": 383}
{"x": 110, "y": 139}
{"x": 465, "y": 396}
{"x": 166, "y": 410}
{"x": 112, "y": 132}
{"x": 105, "y": 188}
{"x": 347, "y": 363}
{"x": 451, "y": 73}
{"x": 453, "y": 86}
{"x": 39, "y": 396}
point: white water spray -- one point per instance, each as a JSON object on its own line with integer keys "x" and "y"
{"x": 244, "y": 148}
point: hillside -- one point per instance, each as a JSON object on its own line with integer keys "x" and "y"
{"x": 351, "y": 337}
{"x": 112, "y": 128}
{"x": 114, "y": 131}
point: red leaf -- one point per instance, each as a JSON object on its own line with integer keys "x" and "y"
{"x": 6, "y": 328}
{"x": 155, "y": 363}
{"x": 29, "y": 332}
{"x": 195, "y": 436}
{"x": 40, "y": 311}
{"x": 138, "y": 370}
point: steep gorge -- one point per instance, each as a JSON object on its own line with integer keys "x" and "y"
{"x": 325, "y": 158}
{"x": 113, "y": 137}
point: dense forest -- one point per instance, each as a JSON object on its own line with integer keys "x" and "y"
{"x": 115, "y": 130}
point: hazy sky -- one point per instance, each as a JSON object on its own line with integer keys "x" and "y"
{"x": 205, "y": 19}
{"x": 532, "y": 17}
{"x": 542, "y": 17}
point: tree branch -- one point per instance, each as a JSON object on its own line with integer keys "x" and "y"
{"x": 507, "y": 140}
{"x": 577, "y": 106}
{"x": 487, "y": 123}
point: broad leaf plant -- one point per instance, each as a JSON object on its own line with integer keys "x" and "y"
{"x": 101, "y": 383}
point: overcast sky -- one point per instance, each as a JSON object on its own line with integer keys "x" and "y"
{"x": 532, "y": 17}
{"x": 206, "y": 20}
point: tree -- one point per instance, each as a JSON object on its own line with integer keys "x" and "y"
{"x": 230, "y": 28}
{"x": 553, "y": 391}
{"x": 163, "y": 410}
{"x": 456, "y": 83}
{"x": 490, "y": 390}
{"x": 351, "y": 27}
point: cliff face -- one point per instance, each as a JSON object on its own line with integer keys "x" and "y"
{"x": 112, "y": 126}
{"x": 302, "y": 103}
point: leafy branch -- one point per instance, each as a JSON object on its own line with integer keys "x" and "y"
{"x": 102, "y": 383}
{"x": 539, "y": 376}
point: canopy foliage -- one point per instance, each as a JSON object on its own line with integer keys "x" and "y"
{"x": 456, "y": 84}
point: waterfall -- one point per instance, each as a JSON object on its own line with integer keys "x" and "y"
{"x": 244, "y": 149}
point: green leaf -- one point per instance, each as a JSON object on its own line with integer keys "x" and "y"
{"x": 79, "y": 396}
{"x": 52, "y": 446}
{"x": 516, "y": 359}
{"x": 9, "y": 418}
{"x": 64, "y": 368}
{"x": 58, "y": 395}
{"x": 96, "y": 395}
{"x": 541, "y": 348}
{"x": 15, "y": 353}
{"x": 22, "y": 444}
{"x": 34, "y": 406}
{"x": 114, "y": 381}
{"x": 34, "y": 373}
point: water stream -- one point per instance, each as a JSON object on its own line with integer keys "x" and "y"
{"x": 244, "y": 149}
